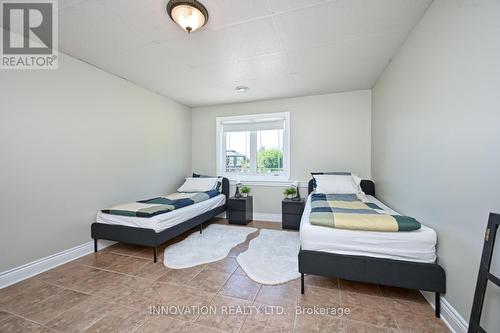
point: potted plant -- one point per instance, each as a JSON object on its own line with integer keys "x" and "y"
{"x": 244, "y": 191}
{"x": 290, "y": 192}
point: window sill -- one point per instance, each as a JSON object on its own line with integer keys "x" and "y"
{"x": 266, "y": 182}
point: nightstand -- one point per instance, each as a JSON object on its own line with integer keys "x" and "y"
{"x": 291, "y": 213}
{"x": 240, "y": 210}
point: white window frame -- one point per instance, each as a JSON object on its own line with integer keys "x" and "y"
{"x": 258, "y": 177}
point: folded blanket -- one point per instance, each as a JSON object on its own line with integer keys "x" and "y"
{"x": 160, "y": 205}
{"x": 347, "y": 211}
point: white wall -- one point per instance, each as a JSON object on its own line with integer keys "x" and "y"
{"x": 75, "y": 140}
{"x": 436, "y": 137}
{"x": 328, "y": 133}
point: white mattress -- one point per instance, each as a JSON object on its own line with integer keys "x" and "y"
{"x": 418, "y": 245}
{"x": 163, "y": 221}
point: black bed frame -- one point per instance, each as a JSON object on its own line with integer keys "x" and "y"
{"x": 388, "y": 272}
{"x": 149, "y": 237}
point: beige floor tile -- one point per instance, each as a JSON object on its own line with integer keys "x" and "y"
{"x": 321, "y": 281}
{"x": 401, "y": 306}
{"x": 128, "y": 265}
{"x": 181, "y": 276}
{"x": 269, "y": 319}
{"x": 136, "y": 293}
{"x": 369, "y": 309}
{"x": 360, "y": 288}
{"x": 162, "y": 324}
{"x": 114, "y": 284}
{"x": 209, "y": 280}
{"x": 152, "y": 270}
{"x": 42, "y": 312}
{"x": 241, "y": 286}
{"x": 318, "y": 324}
{"x": 23, "y": 287}
{"x": 358, "y": 327}
{"x": 101, "y": 259}
{"x": 4, "y": 315}
{"x": 186, "y": 301}
{"x": 66, "y": 275}
{"x": 424, "y": 325}
{"x": 320, "y": 297}
{"x": 17, "y": 299}
{"x": 147, "y": 253}
{"x": 97, "y": 281}
{"x": 126, "y": 249}
{"x": 83, "y": 315}
{"x": 120, "y": 320}
{"x": 196, "y": 328}
{"x": 228, "y": 265}
{"x": 415, "y": 316}
{"x": 282, "y": 294}
{"x": 15, "y": 324}
{"x": 401, "y": 293}
{"x": 230, "y": 321}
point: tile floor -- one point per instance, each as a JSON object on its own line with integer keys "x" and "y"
{"x": 113, "y": 290}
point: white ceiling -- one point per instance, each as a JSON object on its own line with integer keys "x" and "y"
{"x": 278, "y": 48}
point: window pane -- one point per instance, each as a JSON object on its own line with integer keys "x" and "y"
{"x": 270, "y": 151}
{"x": 238, "y": 152}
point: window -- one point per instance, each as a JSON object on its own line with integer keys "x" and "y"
{"x": 254, "y": 147}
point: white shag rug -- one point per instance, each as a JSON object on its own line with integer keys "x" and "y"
{"x": 212, "y": 245}
{"x": 272, "y": 257}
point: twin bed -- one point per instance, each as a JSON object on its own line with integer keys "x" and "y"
{"x": 156, "y": 230}
{"x": 399, "y": 259}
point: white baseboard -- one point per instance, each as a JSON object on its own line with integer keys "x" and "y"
{"x": 267, "y": 217}
{"x": 36, "y": 267}
{"x": 455, "y": 322}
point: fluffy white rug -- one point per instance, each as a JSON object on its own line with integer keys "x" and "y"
{"x": 272, "y": 257}
{"x": 212, "y": 245}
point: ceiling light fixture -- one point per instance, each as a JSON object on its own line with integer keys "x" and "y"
{"x": 241, "y": 88}
{"x": 190, "y": 15}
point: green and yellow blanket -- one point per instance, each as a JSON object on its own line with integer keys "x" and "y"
{"x": 347, "y": 211}
{"x": 160, "y": 205}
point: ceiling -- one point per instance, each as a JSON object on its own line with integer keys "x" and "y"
{"x": 278, "y": 48}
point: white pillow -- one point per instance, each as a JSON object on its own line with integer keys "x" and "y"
{"x": 337, "y": 184}
{"x": 198, "y": 184}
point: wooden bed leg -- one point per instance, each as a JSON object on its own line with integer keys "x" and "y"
{"x": 201, "y": 228}
{"x": 437, "y": 305}
{"x": 155, "y": 253}
{"x": 95, "y": 244}
{"x": 302, "y": 283}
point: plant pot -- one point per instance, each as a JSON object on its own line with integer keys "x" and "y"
{"x": 289, "y": 196}
{"x": 244, "y": 195}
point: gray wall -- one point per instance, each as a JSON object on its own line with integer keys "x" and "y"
{"x": 75, "y": 140}
{"x": 327, "y": 133}
{"x": 436, "y": 136}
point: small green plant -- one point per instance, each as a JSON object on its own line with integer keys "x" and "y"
{"x": 245, "y": 190}
{"x": 290, "y": 192}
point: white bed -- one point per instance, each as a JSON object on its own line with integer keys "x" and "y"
{"x": 418, "y": 246}
{"x": 163, "y": 221}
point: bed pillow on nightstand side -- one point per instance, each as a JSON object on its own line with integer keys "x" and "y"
{"x": 337, "y": 184}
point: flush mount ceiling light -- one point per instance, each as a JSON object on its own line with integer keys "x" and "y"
{"x": 241, "y": 88}
{"x": 190, "y": 15}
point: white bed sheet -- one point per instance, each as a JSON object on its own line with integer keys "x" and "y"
{"x": 163, "y": 221}
{"x": 418, "y": 245}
